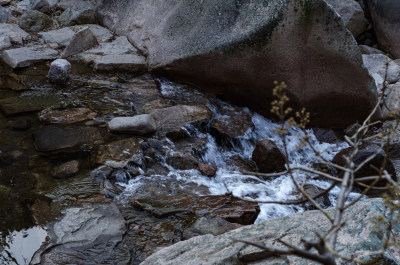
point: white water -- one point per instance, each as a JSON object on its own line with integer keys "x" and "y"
{"x": 229, "y": 179}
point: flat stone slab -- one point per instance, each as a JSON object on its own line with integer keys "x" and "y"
{"x": 357, "y": 238}
{"x": 50, "y": 139}
{"x": 30, "y": 103}
{"x": 23, "y": 57}
{"x": 66, "y": 116}
{"x": 87, "y": 234}
{"x": 61, "y": 36}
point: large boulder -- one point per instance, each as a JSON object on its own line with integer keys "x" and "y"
{"x": 358, "y": 238}
{"x": 34, "y": 21}
{"x": 237, "y": 49}
{"x": 386, "y": 21}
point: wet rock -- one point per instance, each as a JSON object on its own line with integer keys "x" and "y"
{"x": 232, "y": 122}
{"x": 29, "y": 103}
{"x": 86, "y": 234}
{"x": 66, "y": 116}
{"x": 369, "y": 168}
{"x": 206, "y": 169}
{"x": 50, "y": 139}
{"x": 176, "y": 116}
{"x": 384, "y": 15}
{"x": 181, "y": 161}
{"x": 139, "y": 124}
{"x": 119, "y": 153}
{"x": 14, "y": 33}
{"x": 67, "y": 169}
{"x": 61, "y": 36}
{"x": 13, "y": 81}
{"x": 376, "y": 65}
{"x": 118, "y": 55}
{"x": 34, "y": 21}
{"x": 9, "y": 157}
{"x": 59, "y": 71}
{"x": 205, "y": 43}
{"x": 313, "y": 191}
{"x": 324, "y": 135}
{"x": 42, "y": 6}
{"x": 21, "y": 124}
{"x": 231, "y": 209}
{"x": 268, "y": 157}
{"x": 364, "y": 49}
{"x": 208, "y": 225}
{"x": 157, "y": 104}
{"x": 356, "y": 239}
{"x": 77, "y": 15}
{"x": 23, "y": 57}
{"x": 352, "y": 14}
{"x": 4, "y": 15}
{"x": 82, "y": 41}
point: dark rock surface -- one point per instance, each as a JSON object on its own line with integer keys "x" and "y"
{"x": 268, "y": 157}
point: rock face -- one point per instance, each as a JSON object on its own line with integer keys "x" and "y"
{"x": 386, "y": 21}
{"x": 59, "y": 71}
{"x": 356, "y": 237}
{"x": 23, "y": 57}
{"x": 268, "y": 157}
{"x": 352, "y": 15}
{"x": 236, "y": 50}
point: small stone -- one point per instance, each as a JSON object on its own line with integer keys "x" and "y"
{"x": 67, "y": 170}
{"x": 207, "y": 170}
{"x": 34, "y": 21}
{"x": 140, "y": 124}
{"x": 59, "y": 71}
{"x": 268, "y": 157}
{"x": 82, "y": 41}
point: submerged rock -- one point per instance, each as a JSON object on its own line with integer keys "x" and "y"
{"x": 209, "y": 225}
{"x": 236, "y": 51}
{"x": 51, "y": 139}
{"x": 23, "y": 57}
{"x": 268, "y": 157}
{"x": 59, "y": 71}
{"x": 29, "y": 103}
{"x": 358, "y": 239}
{"x": 119, "y": 153}
{"x": 66, "y": 116}
{"x": 67, "y": 169}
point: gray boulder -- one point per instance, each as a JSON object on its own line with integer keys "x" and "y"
{"x": 386, "y": 22}
{"x": 23, "y": 57}
{"x": 14, "y": 33}
{"x": 4, "y": 42}
{"x": 364, "y": 49}
{"x": 42, "y": 6}
{"x": 139, "y": 124}
{"x": 376, "y": 65}
{"x": 392, "y": 101}
{"x": 237, "y": 49}
{"x": 77, "y": 15}
{"x": 4, "y": 15}
{"x": 34, "y": 21}
{"x": 59, "y": 71}
{"x": 61, "y": 36}
{"x": 82, "y": 41}
{"x": 358, "y": 237}
{"x": 352, "y": 15}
